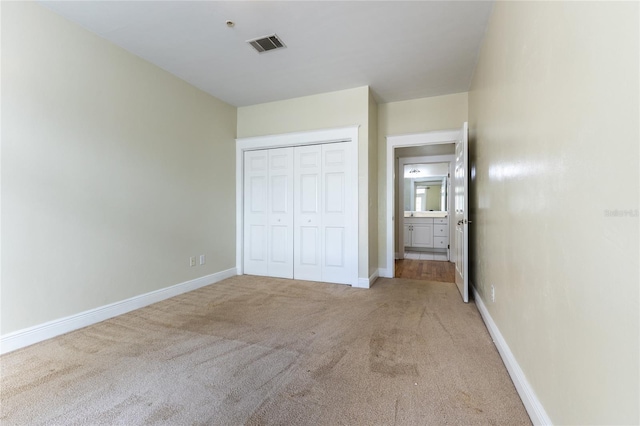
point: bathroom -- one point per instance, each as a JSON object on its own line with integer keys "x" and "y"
{"x": 424, "y": 204}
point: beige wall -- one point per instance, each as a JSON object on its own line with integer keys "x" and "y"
{"x": 114, "y": 172}
{"x": 326, "y": 110}
{"x": 414, "y": 116}
{"x": 554, "y": 147}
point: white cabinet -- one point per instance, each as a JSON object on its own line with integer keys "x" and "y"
{"x": 426, "y": 232}
{"x": 418, "y": 234}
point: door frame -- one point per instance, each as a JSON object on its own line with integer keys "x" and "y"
{"x": 424, "y": 159}
{"x": 314, "y": 137}
{"x": 401, "y": 141}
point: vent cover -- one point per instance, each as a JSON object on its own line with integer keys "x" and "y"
{"x": 266, "y": 43}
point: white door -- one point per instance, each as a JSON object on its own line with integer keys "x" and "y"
{"x": 339, "y": 236}
{"x": 461, "y": 217}
{"x": 325, "y": 237}
{"x": 307, "y": 214}
{"x": 268, "y": 212}
{"x": 256, "y": 214}
{"x": 280, "y": 207}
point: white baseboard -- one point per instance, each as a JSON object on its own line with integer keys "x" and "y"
{"x": 531, "y": 402}
{"x": 367, "y": 282}
{"x": 28, "y": 336}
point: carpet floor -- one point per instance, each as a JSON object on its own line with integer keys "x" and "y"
{"x": 255, "y": 350}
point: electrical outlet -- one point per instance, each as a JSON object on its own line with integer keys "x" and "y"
{"x": 203, "y": 260}
{"x": 493, "y": 293}
{"x": 192, "y": 261}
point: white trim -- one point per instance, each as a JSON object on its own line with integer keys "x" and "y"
{"x": 314, "y": 137}
{"x": 28, "y": 336}
{"x": 367, "y": 282}
{"x": 430, "y": 138}
{"x": 531, "y": 402}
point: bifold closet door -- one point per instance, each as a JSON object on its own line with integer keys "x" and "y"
{"x": 325, "y": 238}
{"x": 307, "y": 218}
{"x": 268, "y": 212}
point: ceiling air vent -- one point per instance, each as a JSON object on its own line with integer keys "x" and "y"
{"x": 266, "y": 43}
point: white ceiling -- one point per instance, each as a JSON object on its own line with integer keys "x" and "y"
{"x": 402, "y": 50}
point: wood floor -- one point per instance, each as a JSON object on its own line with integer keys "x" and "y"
{"x": 431, "y": 270}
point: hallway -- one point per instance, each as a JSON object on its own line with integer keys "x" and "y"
{"x": 429, "y": 270}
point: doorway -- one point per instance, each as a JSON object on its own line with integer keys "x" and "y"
{"x": 393, "y": 217}
{"x": 459, "y": 137}
{"x": 423, "y": 202}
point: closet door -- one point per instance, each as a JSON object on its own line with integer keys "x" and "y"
{"x": 325, "y": 230}
{"x": 268, "y": 212}
{"x": 339, "y": 235}
{"x": 307, "y": 214}
{"x": 280, "y": 218}
{"x": 255, "y": 212}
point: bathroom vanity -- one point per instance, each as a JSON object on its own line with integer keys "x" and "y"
{"x": 421, "y": 231}
{"x": 425, "y": 223}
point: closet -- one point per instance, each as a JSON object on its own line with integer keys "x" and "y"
{"x": 298, "y": 213}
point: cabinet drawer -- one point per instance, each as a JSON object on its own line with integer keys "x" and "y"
{"x": 440, "y": 230}
{"x": 441, "y": 242}
{"x": 441, "y": 221}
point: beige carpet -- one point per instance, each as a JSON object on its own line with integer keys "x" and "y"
{"x": 253, "y": 350}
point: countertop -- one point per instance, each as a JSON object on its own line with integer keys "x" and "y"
{"x": 426, "y": 214}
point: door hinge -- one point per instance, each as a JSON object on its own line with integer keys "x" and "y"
{"x": 448, "y": 246}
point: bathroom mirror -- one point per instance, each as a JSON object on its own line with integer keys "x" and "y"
{"x": 425, "y": 187}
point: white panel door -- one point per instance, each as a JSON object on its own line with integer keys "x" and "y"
{"x": 307, "y": 216}
{"x": 339, "y": 237}
{"x": 280, "y": 213}
{"x": 255, "y": 232}
{"x": 461, "y": 205}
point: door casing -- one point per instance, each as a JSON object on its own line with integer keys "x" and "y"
{"x": 401, "y": 141}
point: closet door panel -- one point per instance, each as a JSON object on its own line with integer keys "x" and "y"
{"x": 334, "y": 255}
{"x": 337, "y": 199}
{"x": 255, "y": 213}
{"x": 307, "y": 214}
{"x": 309, "y": 243}
{"x": 280, "y": 217}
